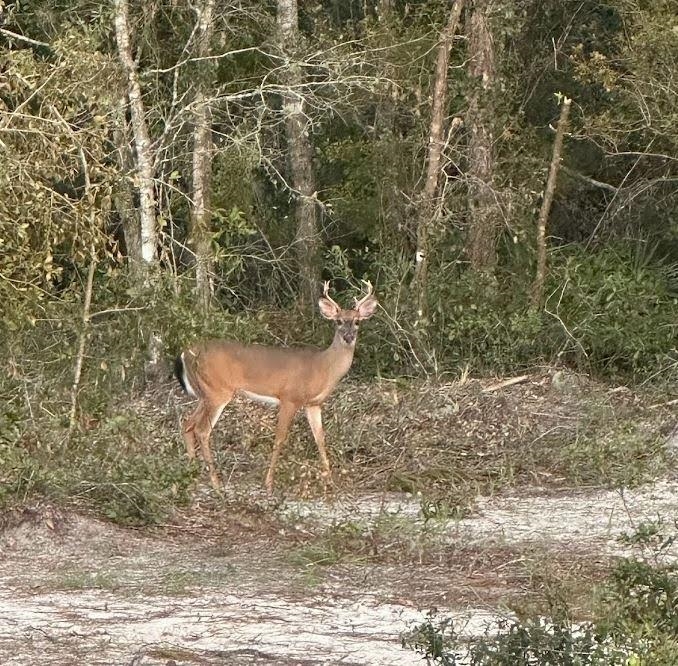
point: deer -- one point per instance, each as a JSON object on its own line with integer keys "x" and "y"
{"x": 215, "y": 371}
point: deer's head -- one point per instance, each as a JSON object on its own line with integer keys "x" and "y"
{"x": 348, "y": 321}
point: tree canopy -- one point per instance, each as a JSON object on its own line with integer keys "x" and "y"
{"x": 215, "y": 159}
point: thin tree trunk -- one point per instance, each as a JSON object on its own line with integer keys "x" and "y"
{"x": 142, "y": 142}
{"x": 300, "y": 151}
{"x": 483, "y": 208}
{"x": 392, "y": 207}
{"x": 540, "y": 277}
{"x": 123, "y": 199}
{"x": 80, "y": 356}
{"x": 82, "y": 342}
{"x": 435, "y": 148}
{"x": 201, "y": 231}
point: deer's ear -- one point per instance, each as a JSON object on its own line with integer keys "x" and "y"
{"x": 328, "y": 309}
{"x": 367, "y": 308}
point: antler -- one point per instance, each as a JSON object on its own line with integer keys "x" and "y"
{"x": 358, "y": 303}
{"x": 326, "y": 294}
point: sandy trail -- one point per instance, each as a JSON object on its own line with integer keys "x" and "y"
{"x": 87, "y": 592}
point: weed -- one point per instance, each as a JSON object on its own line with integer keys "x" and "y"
{"x": 73, "y": 580}
{"x": 621, "y": 458}
{"x": 433, "y": 640}
{"x": 635, "y": 621}
{"x": 337, "y": 542}
{"x": 184, "y": 581}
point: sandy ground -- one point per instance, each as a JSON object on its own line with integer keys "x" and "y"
{"x": 76, "y": 590}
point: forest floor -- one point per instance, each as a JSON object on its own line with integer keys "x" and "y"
{"x": 340, "y": 577}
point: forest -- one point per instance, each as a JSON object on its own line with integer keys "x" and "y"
{"x": 503, "y": 174}
{"x": 207, "y": 165}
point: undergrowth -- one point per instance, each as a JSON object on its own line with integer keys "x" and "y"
{"x": 609, "y": 312}
{"x": 635, "y": 623}
{"x": 132, "y": 481}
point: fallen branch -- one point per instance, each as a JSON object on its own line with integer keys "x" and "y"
{"x": 505, "y": 383}
{"x": 664, "y": 404}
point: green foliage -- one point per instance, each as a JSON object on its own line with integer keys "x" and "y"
{"x": 481, "y": 325}
{"x": 432, "y": 639}
{"x": 622, "y": 456}
{"x": 127, "y": 486}
{"x": 547, "y": 643}
{"x": 636, "y": 622}
{"x": 610, "y": 311}
{"x": 135, "y": 490}
{"x": 616, "y": 308}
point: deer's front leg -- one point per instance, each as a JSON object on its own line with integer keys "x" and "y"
{"x": 314, "y": 417}
{"x": 285, "y": 417}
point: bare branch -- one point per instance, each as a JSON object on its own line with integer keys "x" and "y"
{"x": 22, "y": 38}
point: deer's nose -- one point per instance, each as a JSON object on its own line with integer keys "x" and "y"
{"x": 349, "y": 336}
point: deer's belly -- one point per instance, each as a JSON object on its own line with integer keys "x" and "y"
{"x": 264, "y": 399}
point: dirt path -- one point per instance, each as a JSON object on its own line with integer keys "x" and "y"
{"x": 75, "y": 590}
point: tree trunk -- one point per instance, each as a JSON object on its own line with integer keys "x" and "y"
{"x": 300, "y": 152}
{"x": 142, "y": 141}
{"x": 393, "y": 209}
{"x": 123, "y": 199}
{"x": 540, "y": 277}
{"x": 201, "y": 231}
{"x": 484, "y": 214}
{"x": 435, "y": 149}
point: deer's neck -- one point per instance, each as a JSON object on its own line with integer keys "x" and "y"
{"x": 339, "y": 357}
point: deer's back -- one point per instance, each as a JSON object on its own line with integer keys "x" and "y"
{"x": 298, "y": 374}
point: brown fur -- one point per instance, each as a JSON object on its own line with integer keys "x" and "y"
{"x": 296, "y": 377}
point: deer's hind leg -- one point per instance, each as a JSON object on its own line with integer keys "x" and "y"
{"x": 188, "y": 429}
{"x": 197, "y": 430}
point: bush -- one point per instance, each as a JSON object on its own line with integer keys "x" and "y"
{"x": 636, "y": 622}
{"x": 611, "y": 312}
{"x": 615, "y": 309}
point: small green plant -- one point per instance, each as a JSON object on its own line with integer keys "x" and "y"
{"x": 635, "y": 622}
{"x": 185, "y": 581}
{"x": 339, "y": 541}
{"x": 85, "y": 580}
{"x": 436, "y": 640}
{"x": 652, "y": 535}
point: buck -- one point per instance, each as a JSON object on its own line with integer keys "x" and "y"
{"x": 292, "y": 378}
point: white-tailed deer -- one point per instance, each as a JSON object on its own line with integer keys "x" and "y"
{"x": 292, "y": 378}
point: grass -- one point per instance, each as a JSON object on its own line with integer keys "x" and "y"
{"x": 172, "y": 581}
{"x": 117, "y": 467}
{"x": 76, "y": 580}
{"x": 448, "y": 443}
{"x": 182, "y": 581}
{"x": 524, "y": 579}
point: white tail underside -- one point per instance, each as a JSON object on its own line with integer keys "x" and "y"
{"x": 189, "y": 389}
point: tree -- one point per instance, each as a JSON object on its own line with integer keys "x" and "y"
{"x": 540, "y": 277}
{"x": 300, "y": 156}
{"x": 426, "y": 209}
{"x": 483, "y": 208}
{"x": 142, "y": 143}
{"x": 202, "y": 158}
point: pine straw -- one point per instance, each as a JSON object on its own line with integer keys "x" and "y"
{"x": 449, "y": 441}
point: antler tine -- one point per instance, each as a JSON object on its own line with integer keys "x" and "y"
{"x": 370, "y": 289}
{"x": 326, "y": 293}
